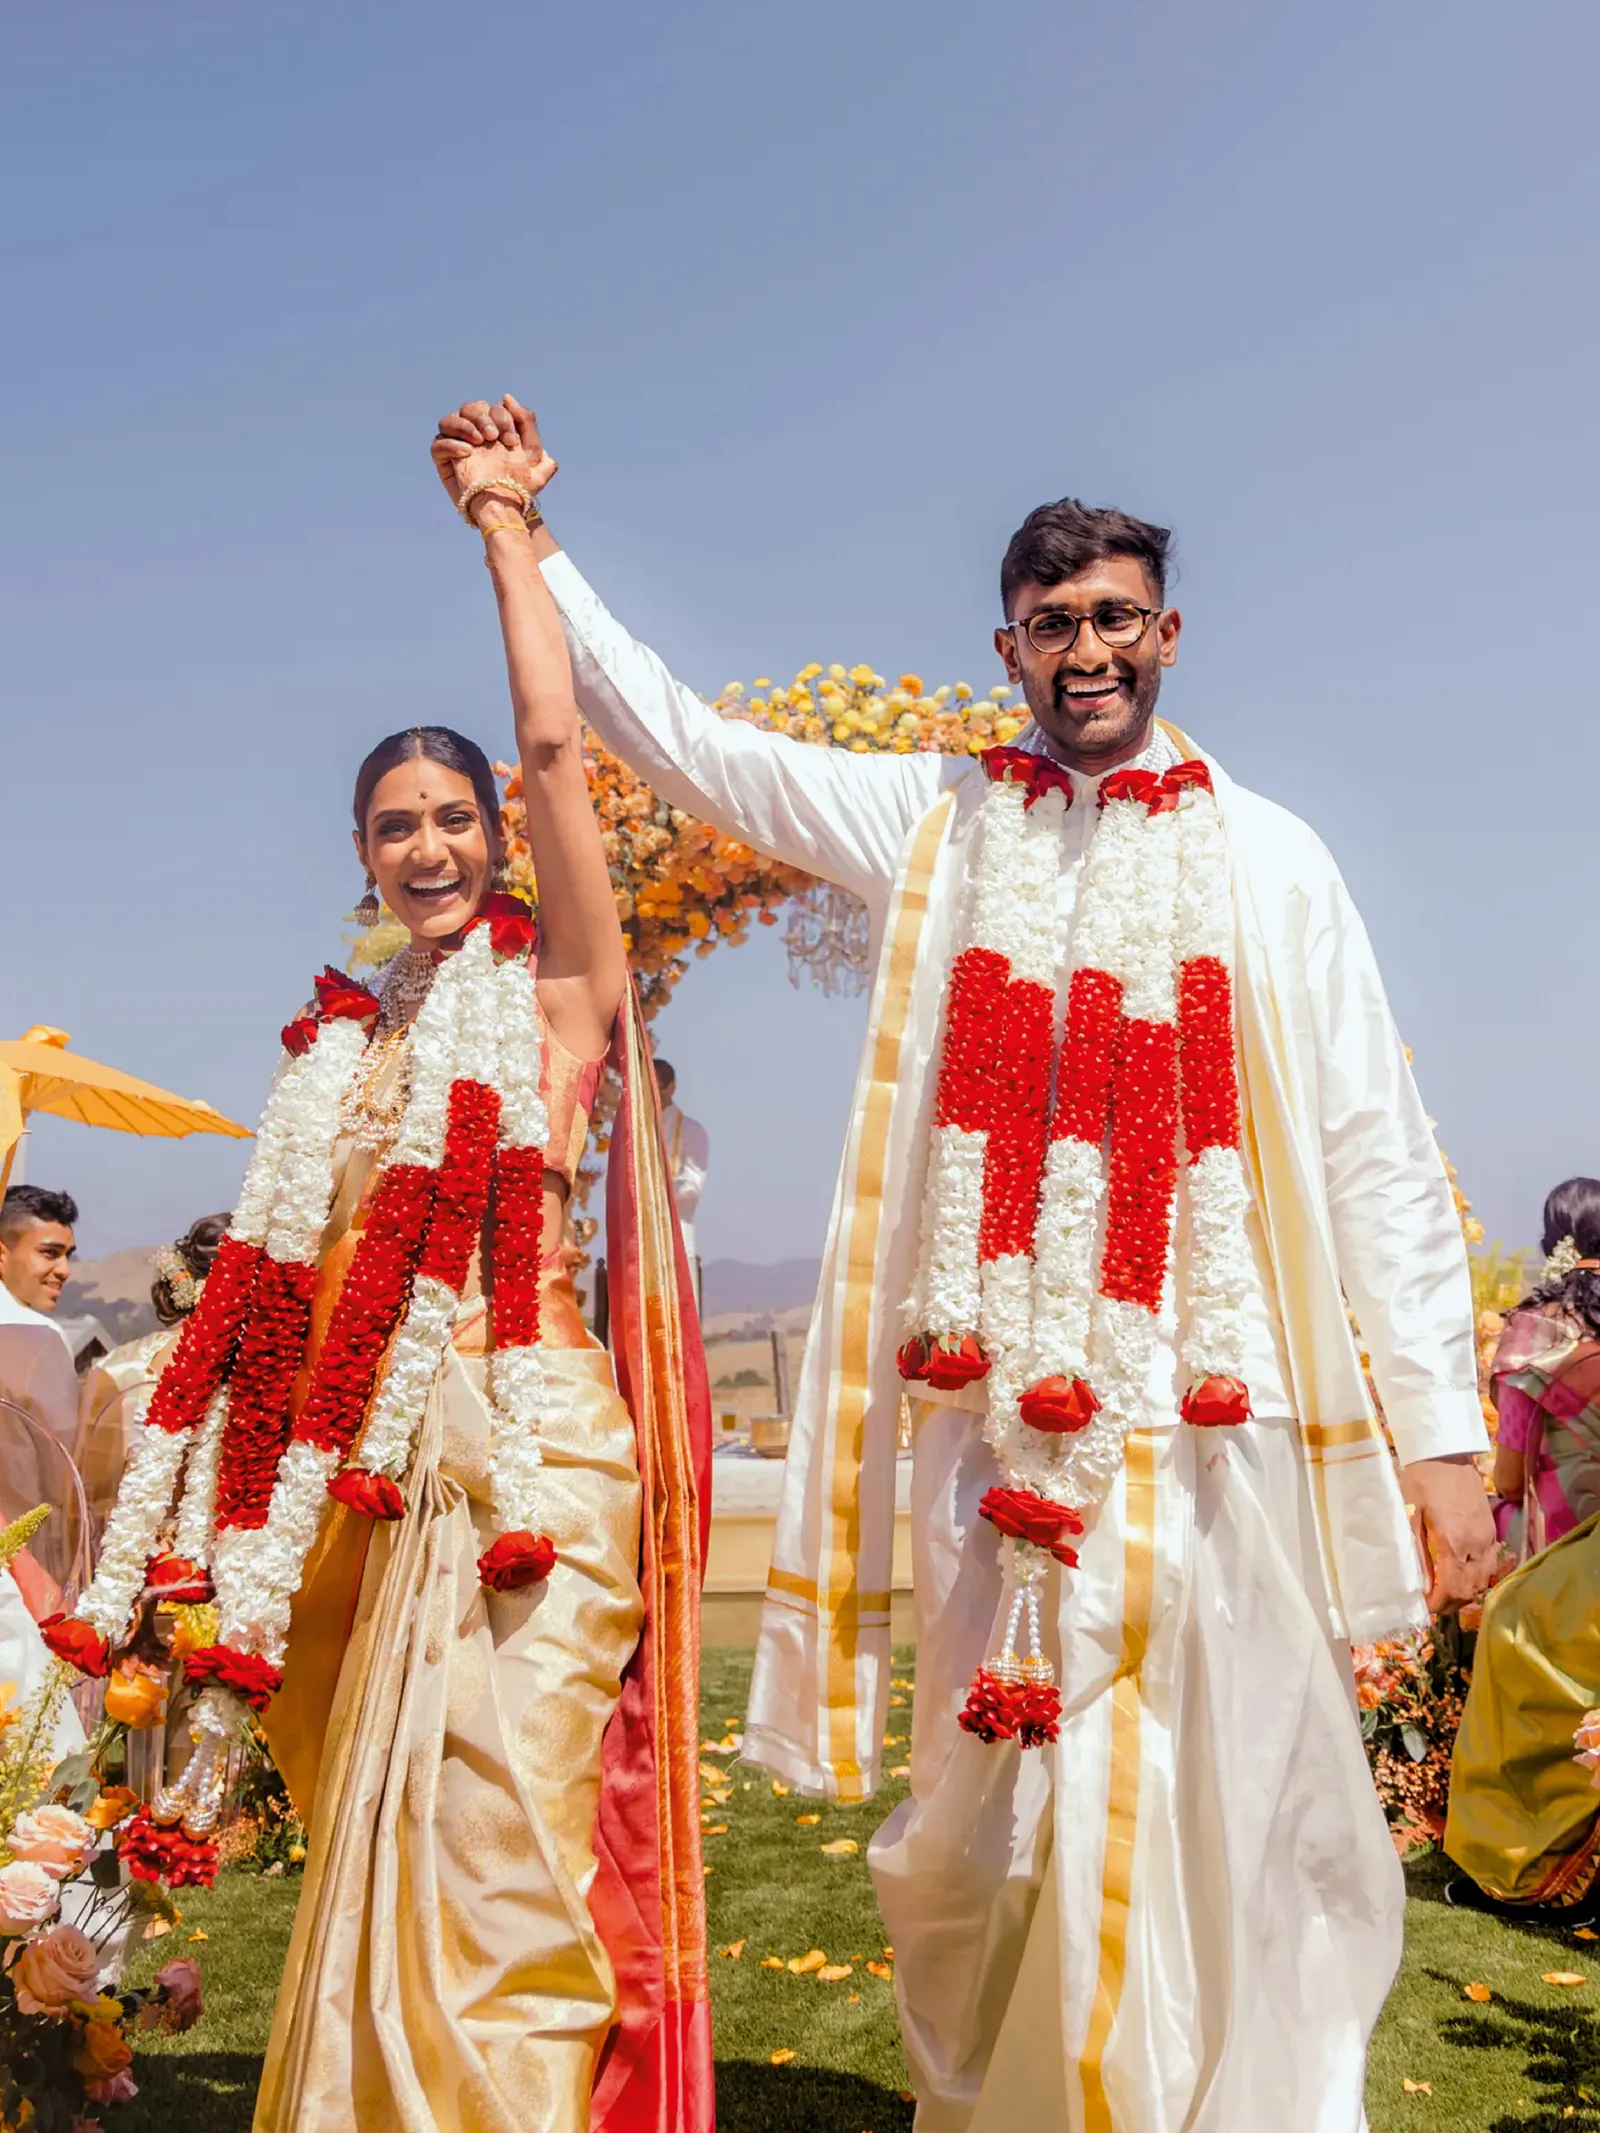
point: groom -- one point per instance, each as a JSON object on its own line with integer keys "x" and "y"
{"x": 1142, "y": 1884}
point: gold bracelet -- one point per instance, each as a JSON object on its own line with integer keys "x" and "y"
{"x": 498, "y": 482}
{"x": 503, "y": 525}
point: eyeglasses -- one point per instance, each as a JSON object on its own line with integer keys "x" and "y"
{"x": 1118, "y": 625}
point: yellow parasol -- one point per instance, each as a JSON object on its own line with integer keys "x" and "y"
{"x": 38, "y": 1073}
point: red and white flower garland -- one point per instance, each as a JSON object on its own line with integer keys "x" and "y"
{"x": 1031, "y": 1137}
{"x": 254, "y": 1492}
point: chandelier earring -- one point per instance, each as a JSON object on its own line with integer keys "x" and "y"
{"x": 366, "y": 912}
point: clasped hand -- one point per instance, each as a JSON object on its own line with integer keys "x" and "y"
{"x": 479, "y": 442}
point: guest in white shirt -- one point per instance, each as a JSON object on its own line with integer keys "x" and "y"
{"x": 688, "y": 1153}
{"x": 36, "y": 1368}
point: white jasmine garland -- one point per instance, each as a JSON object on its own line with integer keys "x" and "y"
{"x": 197, "y": 1510}
{"x": 397, "y": 1411}
{"x": 309, "y": 1109}
{"x": 518, "y": 1393}
{"x": 133, "y": 1530}
{"x": 258, "y": 1570}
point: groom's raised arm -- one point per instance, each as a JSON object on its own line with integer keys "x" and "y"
{"x": 835, "y": 813}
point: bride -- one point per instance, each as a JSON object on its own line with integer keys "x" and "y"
{"x": 455, "y": 1544}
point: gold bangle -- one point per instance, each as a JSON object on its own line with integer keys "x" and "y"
{"x": 503, "y": 525}
{"x": 497, "y": 482}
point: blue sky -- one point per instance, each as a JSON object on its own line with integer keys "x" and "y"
{"x": 815, "y": 304}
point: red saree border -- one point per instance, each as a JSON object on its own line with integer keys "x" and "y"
{"x": 648, "y": 1898}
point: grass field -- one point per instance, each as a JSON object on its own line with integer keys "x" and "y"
{"x": 1527, "y": 2058}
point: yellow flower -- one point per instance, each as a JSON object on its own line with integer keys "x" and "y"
{"x": 837, "y": 673}
{"x": 841, "y": 732}
{"x": 863, "y": 677}
{"x": 763, "y": 681}
{"x": 912, "y": 684}
{"x": 734, "y": 689}
{"x": 963, "y": 692}
{"x": 136, "y": 1696}
{"x": 10, "y": 1709}
{"x": 809, "y": 673}
{"x": 999, "y": 694}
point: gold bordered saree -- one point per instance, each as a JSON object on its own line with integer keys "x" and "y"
{"x": 502, "y": 1925}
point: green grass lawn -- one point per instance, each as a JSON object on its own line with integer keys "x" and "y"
{"x": 1528, "y": 2058}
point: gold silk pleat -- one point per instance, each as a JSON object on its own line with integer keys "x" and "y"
{"x": 1524, "y": 1817}
{"x": 444, "y": 1970}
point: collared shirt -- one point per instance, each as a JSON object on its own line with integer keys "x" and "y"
{"x": 688, "y": 1156}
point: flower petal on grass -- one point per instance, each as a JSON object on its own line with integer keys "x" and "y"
{"x": 840, "y": 1848}
{"x": 808, "y": 1821}
{"x": 1480, "y": 1993}
{"x": 834, "y": 1973}
{"x": 733, "y": 1950}
{"x": 1417, "y": 2088}
{"x": 782, "y": 2058}
{"x": 773, "y": 1962}
{"x": 803, "y": 1965}
{"x": 883, "y": 1970}
{"x": 1568, "y": 1978}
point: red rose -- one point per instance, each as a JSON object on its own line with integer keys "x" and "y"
{"x": 1021, "y": 1515}
{"x": 991, "y": 1707}
{"x": 912, "y": 1361}
{"x": 954, "y": 1364}
{"x": 1130, "y": 784}
{"x": 510, "y": 922}
{"x": 515, "y": 1560}
{"x": 1192, "y": 772}
{"x": 373, "y": 1495}
{"x": 300, "y": 1034}
{"x": 1059, "y": 1405}
{"x": 175, "y": 1578}
{"x": 253, "y": 1678}
{"x": 1217, "y": 1402}
{"x": 78, "y": 1644}
{"x": 341, "y": 999}
{"x": 1019, "y": 766}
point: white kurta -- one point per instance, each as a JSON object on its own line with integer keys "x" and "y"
{"x": 1185, "y": 1916}
{"x": 688, "y": 1148}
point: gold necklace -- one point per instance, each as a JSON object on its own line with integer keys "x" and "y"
{"x": 375, "y": 1101}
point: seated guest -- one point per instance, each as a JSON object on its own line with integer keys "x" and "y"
{"x": 118, "y": 1388}
{"x": 1545, "y": 1382}
{"x": 1524, "y": 1815}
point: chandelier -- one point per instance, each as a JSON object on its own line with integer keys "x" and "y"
{"x": 827, "y": 939}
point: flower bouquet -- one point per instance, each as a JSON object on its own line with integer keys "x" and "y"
{"x": 69, "y": 1899}
{"x": 1411, "y": 1692}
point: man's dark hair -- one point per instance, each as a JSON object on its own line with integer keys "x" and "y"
{"x": 665, "y": 1070}
{"x": 35, "y": 1203}
{"x": 1058, "y": 540}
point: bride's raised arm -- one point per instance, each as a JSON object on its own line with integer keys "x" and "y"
{"x": 582, "y": 962}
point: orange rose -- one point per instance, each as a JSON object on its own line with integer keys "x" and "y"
{"x": 103, "y": 2052}
{"x": 114, "y": 1805}
{"x": 60, "y": 1966}
{"x": 136, "y": 1695}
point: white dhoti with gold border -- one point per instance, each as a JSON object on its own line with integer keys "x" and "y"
{"x": 1130, "y": 1929}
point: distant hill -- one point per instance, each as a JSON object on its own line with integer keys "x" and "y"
{"x": 737, "y": 1285}
{"x": 115, "y": 1290}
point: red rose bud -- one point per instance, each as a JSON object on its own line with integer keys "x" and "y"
{"x": 515, "y": 1560}
{"x": 912, "y": 1361}
{"x": 1130, "y": 784}
{"x": 176, "y": 1578}
{"x": 1037, "y": 1708}
{"x": 1059, "y": 1405}
{"x": 510, "y": 922}
{"x": 160, "y": 1851}
{"x": 1020, "y": 1515}
{"x": 300, "y": 1034}
{"x": 1192, "y": 772}
{"x": 991, "y": 1707}
{"x": 952, "y": 1365}
{"x": 248, "y": 1675}
{"x": 1216, "y": 1403}
{"x": 341, "y": 999}
{"x": 78, "y": 1644}
{"x": 373, "y": 1495}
